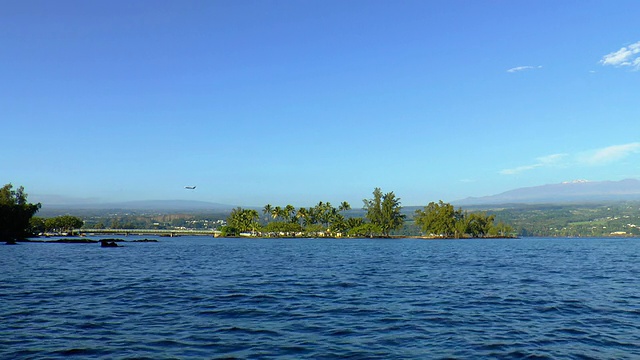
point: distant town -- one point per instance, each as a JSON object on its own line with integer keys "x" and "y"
{"x": 611, "y": 219}
{"x": 603, "y": 213}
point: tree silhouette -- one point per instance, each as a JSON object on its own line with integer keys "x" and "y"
{"x": 15, "y": 214}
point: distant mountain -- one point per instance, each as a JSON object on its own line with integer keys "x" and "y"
{"x": 173, "y": 205}
{"x": 149, "y": 205}
{"x": 573, "y": 191}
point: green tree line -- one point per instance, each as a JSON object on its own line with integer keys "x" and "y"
{"x": 443, "y": 220}
{"x": 383, "y": 215}
{"x": 58, "y": 224}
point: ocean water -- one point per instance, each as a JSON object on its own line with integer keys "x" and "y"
{"x": 206, "y": 298}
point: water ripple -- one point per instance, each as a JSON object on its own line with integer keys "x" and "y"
{"x": 322, "y": 299}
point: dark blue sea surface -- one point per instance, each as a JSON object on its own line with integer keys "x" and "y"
{"x": 200, "y": 297}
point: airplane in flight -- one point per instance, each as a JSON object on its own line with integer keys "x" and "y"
{"x": 190, "y": 187}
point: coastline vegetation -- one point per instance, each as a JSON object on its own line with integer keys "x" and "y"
{"x": 383, "y": 216}
{"x": 442, "y": 220}
{"x": 380, "y": 216}
{"x": 59, "y": 224}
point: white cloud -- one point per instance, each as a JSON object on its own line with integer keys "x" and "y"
{"x": 544, "y": 161}
{"x": 595, "y": 157}
{"x": 551, "y": 159}
{"x": 626, "y": 56}
{"x": 519, "y": 169}
{"x": 522, "y": 68}
{"x": 609, "y": 154}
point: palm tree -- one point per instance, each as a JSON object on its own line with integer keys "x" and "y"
{"x": 354, "y": 222}
{"x": 304, "y": 214}
{"x": 329, "y": 212}
{"x": 243, "y": 219}
{"x": 276, "y": 212}
{"x": 344, "y": 206}
{"x": 338, "y": 223}
{"x": 323, "y": 212}
{"x": 267, "y": 210}
{"x": 288, "y": 212}
{"x": 312, "y": 215}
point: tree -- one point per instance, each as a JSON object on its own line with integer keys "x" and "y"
{"x": 344, "y": 206}
{"x": 36, "y": 225}
{"x": 267, "y": 210}
{"x": 502, "y": 229}
{"x": 384, "y": 211}
{"x": 15, "y": 214}
{"x": 354, "y": 222}
{"x": 365, "y": 230}
{"x": 243, "y": 220}
{"x": 64, "y": 223}
{"x": 277, "y": 212}
{"x": 479, "y": 224}
{"x": 327, "y": 212}
{"x": 281, "y": 228}
{"x": 338, "y": 224}
{"x": 440, "y": 219}
{"x": 303, "y": 214}
{"x": 289, "y": 213}
{"x": 115, "y": 224}
{"x": 319, "y": 213}
{"x": 374, "y": 207}
{"x": 392, "y": 218}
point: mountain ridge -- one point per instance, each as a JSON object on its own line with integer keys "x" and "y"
{"x": 148, "y": 205}
{"x": 565, "y": 192}
{"x": 559, "y": 193}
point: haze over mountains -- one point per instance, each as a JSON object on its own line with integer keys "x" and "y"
{"x": 148, "y": 205}
{"x": 566, "y": 192}
{"x": 578, "y": 191}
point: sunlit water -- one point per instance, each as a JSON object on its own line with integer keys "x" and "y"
{"x": 199, "y": 297}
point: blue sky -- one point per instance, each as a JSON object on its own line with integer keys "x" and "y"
{"x": 295, "y": 102}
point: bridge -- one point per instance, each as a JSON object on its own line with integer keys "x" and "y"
{"x": 160, "y": 232}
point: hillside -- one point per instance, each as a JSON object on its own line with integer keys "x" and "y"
{"x": 578, "y": 220}
{"x": 150, "y": 206}
{"x": 580, "y": 191}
